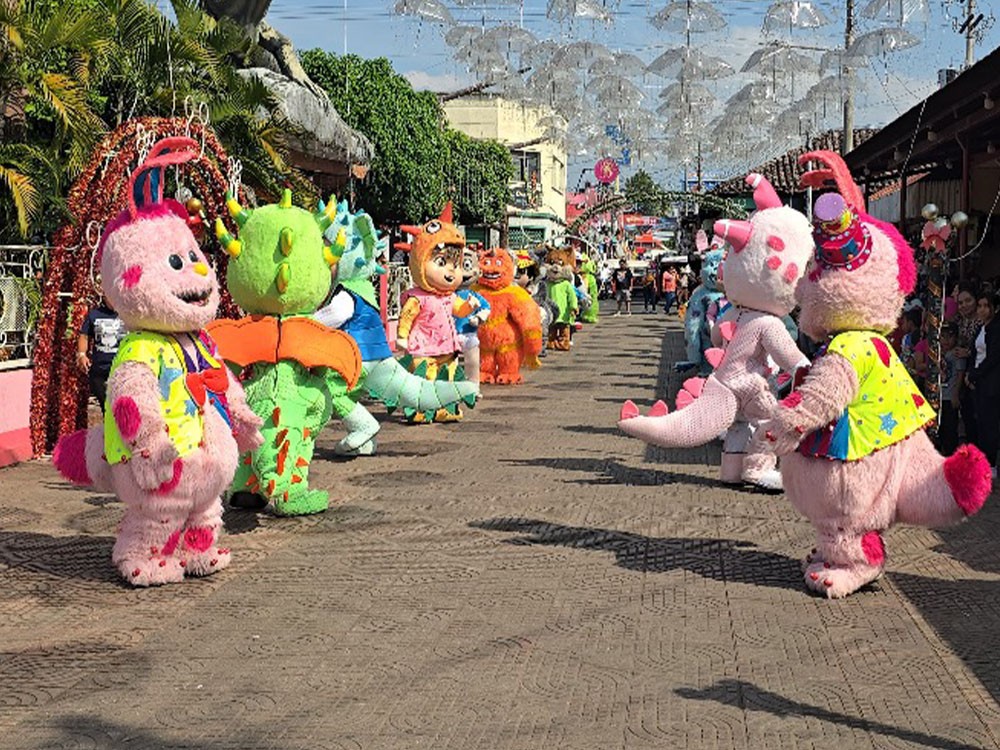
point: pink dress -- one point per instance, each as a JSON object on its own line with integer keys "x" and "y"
{"x": 433, "y": 333}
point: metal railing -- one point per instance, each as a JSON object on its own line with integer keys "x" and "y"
{"x": 21, "y": 268}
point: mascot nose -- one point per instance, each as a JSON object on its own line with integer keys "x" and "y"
{"x": 201, "y": 269}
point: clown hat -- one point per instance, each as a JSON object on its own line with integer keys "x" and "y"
{"x": 842, "y": 240}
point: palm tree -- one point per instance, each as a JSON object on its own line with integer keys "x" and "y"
{"x": 48, "y": 52}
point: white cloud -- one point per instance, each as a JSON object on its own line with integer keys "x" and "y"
{"x": 423, "y": 81}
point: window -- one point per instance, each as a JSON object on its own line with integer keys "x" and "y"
{"x": 526, "y": 164}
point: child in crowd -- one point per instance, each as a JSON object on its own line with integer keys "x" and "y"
{"x": 913, "y": 348}
{"x": 952, "y": 375}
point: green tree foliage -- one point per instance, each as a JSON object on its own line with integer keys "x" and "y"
{"x": 479, "y": 174}
{"x": 644, "y": 194}
{"x": 406, "y": 182}
{"x": 70, "y": 70}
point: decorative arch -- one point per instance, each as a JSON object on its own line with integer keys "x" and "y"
{"x": 729, "y": 207}
{"x": 59, "y": 389}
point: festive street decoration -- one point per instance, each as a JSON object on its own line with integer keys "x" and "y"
{"x": 59, "y": 388}
{"x": 606, "y": 171}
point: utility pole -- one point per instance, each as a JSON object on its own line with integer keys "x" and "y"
{"x": 970, "y": 37}
{"x": 699, "y": 168}
{"x": 847, "y": 142}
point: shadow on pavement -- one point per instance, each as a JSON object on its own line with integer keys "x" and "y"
{"x": 749, "y": 697}
{"x": 75, "y": 730}
{"x": 726, "y": 560}
{"x": 610, "y": 471}
{"x": 82, "y": 557}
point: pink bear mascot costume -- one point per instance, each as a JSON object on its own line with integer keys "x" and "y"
{"x": 768, "y": 256}
{"x": 858, "y": 459}
{"x": 175, "y": 421}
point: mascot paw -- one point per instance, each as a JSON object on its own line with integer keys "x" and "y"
{"x": 151, "y": 570}
{"x": 532, "y": 362}
{"x": 510, "y": 379}
{"x": 207, "y": 562}
{"x": 812, "y": 557}
{"x": 157, "y": 469}
{"x": 838, "y": 581}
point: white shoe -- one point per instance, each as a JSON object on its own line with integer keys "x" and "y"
{"x": 617, "y": 313}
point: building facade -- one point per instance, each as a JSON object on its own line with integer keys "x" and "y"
{"x": 535, "y": 138}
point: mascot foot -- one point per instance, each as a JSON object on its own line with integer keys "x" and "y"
{"x": 836, "y": 581}
{"x": 812, "y": 557}
{"x": 510, "y": 379}
{"x": 152, "y": 570}
{"x": 443, "y": 415}
{"x": 247, "y": 501}
{"x": 305, "y": 504}
{"x": 205, "y": 563}
{"x": 769, "y": 480}
{"x": 344, "y": 448}
{"x": 968, "y": 475}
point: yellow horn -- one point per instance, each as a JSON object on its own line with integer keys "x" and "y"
{"x": 230, "y": 244}
{"x": 326, "y": 213}
{"x": 239, "y": 214}
{"x": 286, "y": 198}
{"x": 329, "y": 257}
{"x": 287, "y": 238}
{"x": 284, "y": 276}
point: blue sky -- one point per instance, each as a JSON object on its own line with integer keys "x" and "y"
{"x": 416, "y": 48}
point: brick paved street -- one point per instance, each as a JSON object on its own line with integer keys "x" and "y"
{"x": 527, "y": 579}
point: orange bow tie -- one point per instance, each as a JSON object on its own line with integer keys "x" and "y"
{"x": 215, "y": 380}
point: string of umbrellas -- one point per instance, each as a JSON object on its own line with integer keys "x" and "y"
{"x": 672, "y": 105}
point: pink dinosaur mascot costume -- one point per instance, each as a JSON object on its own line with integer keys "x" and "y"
{"x": 768, "y": 256}
{"x": 858, "y": 459}
{"x": 175, "y": 420}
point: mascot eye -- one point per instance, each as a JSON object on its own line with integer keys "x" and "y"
{"x": 192, "y": 256}
{"x": 176, "y": 262}
{"x": 440, "y": 262}
{"x": 432, "y": 227}
{"x": 468, "y": 265}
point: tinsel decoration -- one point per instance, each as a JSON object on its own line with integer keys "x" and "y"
{"x": 59, "y": 390}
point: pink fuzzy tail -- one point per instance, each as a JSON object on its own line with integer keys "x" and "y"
{"x": 70, "y": 458}
{"x": 968, "y": 474}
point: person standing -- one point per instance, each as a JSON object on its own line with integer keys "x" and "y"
{"x": 668, "y": 284}
{"x": 984, "y": 379}
{"x": 952, "y": 375}
{"x": 968, "y": 326}
{"x": 621, "y": 280}
{"x": 649, "y": 289}
{"x": 96, "y": 347}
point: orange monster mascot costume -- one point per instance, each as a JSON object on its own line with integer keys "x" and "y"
{"x": 512, "y": 335}
{"x": 427, "y": 321}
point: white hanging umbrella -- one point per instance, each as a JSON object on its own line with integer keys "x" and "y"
{"x": 684, "y": 15}
{"x": 793, "y": 14}
{"x": 682, "y": 94}
{"x": 507, "y": 38}
{"x": 459, "y": 36}
{"x": 581, "y": 54}
{"x": 781, "y": 58}
{"x": 564, "y": 10}
{"x": 879, "y": 43}
{"x": 428, "y": 10}
{"x": 620, "y": 63}
{"x": 897, "y": 11}
{"x": 690, "y": 63}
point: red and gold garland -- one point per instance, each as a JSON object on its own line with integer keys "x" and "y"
{"x": 59, "y": 389}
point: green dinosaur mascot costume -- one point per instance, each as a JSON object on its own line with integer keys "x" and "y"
{"x": 292, "y": 366}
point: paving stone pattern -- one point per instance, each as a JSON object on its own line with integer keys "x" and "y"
{"x": 526, "y": 579}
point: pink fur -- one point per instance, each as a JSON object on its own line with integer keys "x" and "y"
{"x": 199, "y": 539}
{"x": 792, "y": 400}
{"x": 172, "y": 541}
{"x": 907, "y": 482}
{"x": 170, "y": 484}
{"x": 164, "y": 494}
{"x": 873, "y": 548}
{"x": 968, "y": 475}
{"x": 760, "y": 296}
{"x": 70, "y": 457}
{"x": 131, "y": 276}
{"x": 127, "y": 417}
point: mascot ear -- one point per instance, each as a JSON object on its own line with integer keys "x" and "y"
{"x": 146, "y": 183}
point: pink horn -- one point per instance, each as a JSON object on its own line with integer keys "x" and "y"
{"x": 764, "y": 194}
{"x": 736, "y": 233}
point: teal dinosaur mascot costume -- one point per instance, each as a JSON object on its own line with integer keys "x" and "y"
{"x": 292, "y": 367}
{"x": 353, "y": 308}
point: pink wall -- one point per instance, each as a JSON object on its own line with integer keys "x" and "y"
{"x": 15, "y": 412}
